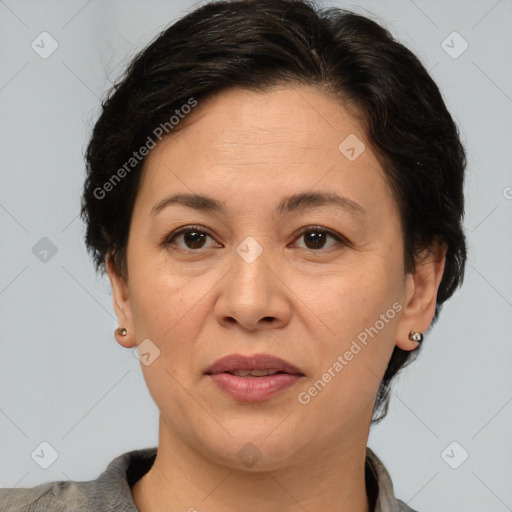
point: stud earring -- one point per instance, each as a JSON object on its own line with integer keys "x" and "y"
{"x": 416, "y": 336}
{"x": 122, "y": 331}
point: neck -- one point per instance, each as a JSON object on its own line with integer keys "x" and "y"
{"x": 182, "y": 479}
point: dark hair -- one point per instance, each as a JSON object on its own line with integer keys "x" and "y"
{"x": 258, "y": 44}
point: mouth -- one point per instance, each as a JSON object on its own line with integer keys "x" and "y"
{"x": 255, "y": 373}
{"x": 253, "y": 378}
{"x": 257, "y": 365}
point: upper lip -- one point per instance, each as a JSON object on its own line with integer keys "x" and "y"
{"x": 234, "y": 362}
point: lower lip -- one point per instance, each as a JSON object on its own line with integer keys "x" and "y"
{"x": 254, "y": 389}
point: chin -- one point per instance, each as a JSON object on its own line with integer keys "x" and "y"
{"x": 257, "y": 453}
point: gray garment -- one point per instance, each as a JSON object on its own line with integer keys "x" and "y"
{"x": 111, "y": 491}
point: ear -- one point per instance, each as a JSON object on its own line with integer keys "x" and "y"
{"x": 421, "y": 294}
{"x": 122, "y": 305}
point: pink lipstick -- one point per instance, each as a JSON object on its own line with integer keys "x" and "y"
{"x": 253, "y": 378}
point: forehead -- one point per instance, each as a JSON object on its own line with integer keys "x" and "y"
{"x": 262, "y": 142}
{"x": 301, "y": 117}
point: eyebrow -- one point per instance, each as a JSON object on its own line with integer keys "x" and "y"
{"x": 293, "y": 203}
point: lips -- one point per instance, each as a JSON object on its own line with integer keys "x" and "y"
{"x": 257, "y": 365}
{"x": 255, "y": 378}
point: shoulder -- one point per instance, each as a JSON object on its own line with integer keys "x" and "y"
{"x": 45, "y": 497}
{"x": 403, "y": 507}
{"x": 110, "y": 491}
{"x": 379, "y": 482}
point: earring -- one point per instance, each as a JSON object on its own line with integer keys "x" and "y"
{"x": 416, "y": 336}
{"x": 122, "y": 331}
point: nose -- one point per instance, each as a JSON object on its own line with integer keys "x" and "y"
{"x": 253, "y": 295}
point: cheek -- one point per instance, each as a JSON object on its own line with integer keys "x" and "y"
{"x": 165, "y": 311}
{"x": 359, "y": 310}
{"x": 162, "y": 307}
{"x": 159, "y": 299}
{"x": 350, "y": 366}
{"x": 171, "y": 310}
{"x": 354, "y": 298}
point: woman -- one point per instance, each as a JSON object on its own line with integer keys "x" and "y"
{"x": 276, "y": 195}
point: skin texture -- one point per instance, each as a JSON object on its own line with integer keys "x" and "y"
{"x": 301, "y": 303}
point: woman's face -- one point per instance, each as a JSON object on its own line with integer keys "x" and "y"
{"x": 317, "y": 283}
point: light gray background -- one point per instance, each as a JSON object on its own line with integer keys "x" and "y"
{"x": 65, "y": 380}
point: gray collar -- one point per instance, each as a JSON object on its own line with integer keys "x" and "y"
{"x": 112, "y": 489}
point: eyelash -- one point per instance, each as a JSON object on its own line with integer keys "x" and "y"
{"x": 166, "y": 243}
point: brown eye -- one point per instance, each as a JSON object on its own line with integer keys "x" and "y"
{"x": 193, "y": 238}
{"x": 315, "y": 238}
